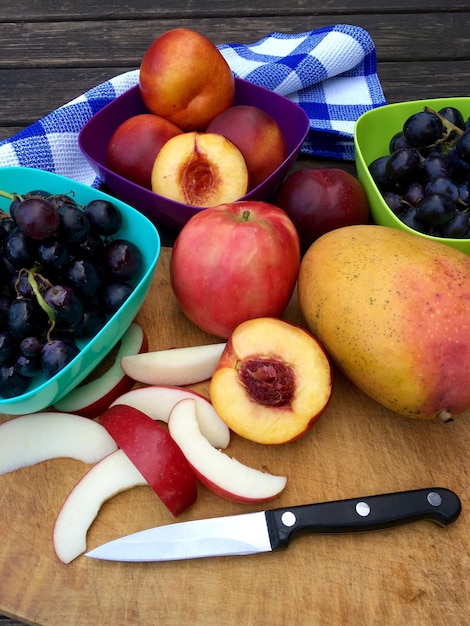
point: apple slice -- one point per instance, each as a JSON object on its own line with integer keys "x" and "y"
{"x": 30, "y": 439}
{"x": 221, "y": 474}
{"x": 112, "y": 475}
{"x": 176, "y": 366}
{"x": 155, "y": 454}
{"x": 92, "y": 398}
{"x": 157, "y": 402}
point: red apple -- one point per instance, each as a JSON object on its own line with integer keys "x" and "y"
{"x": 320, "y": 200}
{"x": 134, "y": 145}
{"x": 235, "y": 262}
{"x": 155, "y": 454}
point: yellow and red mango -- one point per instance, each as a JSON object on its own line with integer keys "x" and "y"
{"x": 392, "y": 309}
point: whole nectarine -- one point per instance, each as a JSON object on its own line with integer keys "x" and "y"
{"x": 319, "y": 200}
{"x": 258, "y": 137}
{"x": 134, "y": 145}
{"x": 184, "y": 78}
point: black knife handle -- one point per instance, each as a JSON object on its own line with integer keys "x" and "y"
{"x": 362, "y": 514}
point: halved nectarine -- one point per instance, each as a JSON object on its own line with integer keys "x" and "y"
{"x": 272, "y": 382}
{"x": 200, "y": 169}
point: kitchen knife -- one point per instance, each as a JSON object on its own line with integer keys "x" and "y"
{"x": 271, "y": 530}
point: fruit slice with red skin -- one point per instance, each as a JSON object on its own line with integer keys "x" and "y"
{"x": 112, "y": 475}
{"x": 176, "y": 366}
{"x": 221, "y": 474}
{"x": 157, "y": 402}
{"x": 272, "y": 382}
{"x": 200, "y": 169}
{"x": 36, "y": 437}
{"x": 92, "y": 398}
{"x": 155, "y": 454}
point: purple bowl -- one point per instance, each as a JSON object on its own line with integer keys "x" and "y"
{"x": 95, "y": 135}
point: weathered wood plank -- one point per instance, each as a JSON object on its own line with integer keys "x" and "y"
{"x": 123, "y": 42}
{"x": 50, "y": 10}
{"x": 34, "y": 93}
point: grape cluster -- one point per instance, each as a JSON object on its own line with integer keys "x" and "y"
{"x": 63, "y": 273}
{"x": 425, "y": 178}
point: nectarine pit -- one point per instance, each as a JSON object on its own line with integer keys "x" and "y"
{"x": 197, "y": 178}
{"x": 267, "y": 381}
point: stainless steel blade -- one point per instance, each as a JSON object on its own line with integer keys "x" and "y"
{"x": 222, "y": 536}
{"x": 271, "y": 530}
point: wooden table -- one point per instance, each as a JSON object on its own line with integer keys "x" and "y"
{"x": 52, "y": 51}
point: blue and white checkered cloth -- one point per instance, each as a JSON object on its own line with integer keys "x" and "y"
{"x": 331, "y": 73}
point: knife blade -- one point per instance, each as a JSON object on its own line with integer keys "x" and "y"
{"x": 270, "y": 530}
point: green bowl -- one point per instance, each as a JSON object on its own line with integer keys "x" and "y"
{"x": 136, "y": 228}
{"x": 372, "y": 135}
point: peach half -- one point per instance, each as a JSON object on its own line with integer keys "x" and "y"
{"x": 200, "y": 169}
{"x": 272, "y": 382}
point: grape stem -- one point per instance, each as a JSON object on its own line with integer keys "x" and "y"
{"x": 51, "y": 314}
{"x": 10, "y": 196}
{"x": 448, "y": 125}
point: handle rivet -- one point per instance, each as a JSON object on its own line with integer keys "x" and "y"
{"x": 288, "y": 518}
{"x": 434, "y": 498}
{"x": 362, "y": 509}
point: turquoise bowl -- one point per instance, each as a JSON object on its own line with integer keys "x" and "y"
{"x": 372, "y": 135}
{"x": 136, "y": 228}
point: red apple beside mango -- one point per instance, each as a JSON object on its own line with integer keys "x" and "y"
{"x": 234, "y": 262}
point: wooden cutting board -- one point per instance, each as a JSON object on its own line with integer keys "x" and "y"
{"x": 415, "y": 574}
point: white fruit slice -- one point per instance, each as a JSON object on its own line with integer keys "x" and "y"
{"x": 221, "y": 474}
{"x": 176, "y": 366}
{"x": 91, "y": 399}
{"x": 112, "y": 475}
{"x": 30, "y": 439}
{"x": 158, "y": 401}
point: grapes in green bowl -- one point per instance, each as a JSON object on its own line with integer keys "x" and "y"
{"x": 413, "y": 159}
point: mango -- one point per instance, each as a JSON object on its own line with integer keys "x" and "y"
{"x": 392, "y": 309}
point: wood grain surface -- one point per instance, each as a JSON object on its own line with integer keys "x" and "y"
{"x": 415, "y": 574}
{"x": 52, "y": 51}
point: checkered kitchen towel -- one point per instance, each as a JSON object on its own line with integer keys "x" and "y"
{"x": 331, "y": 73}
